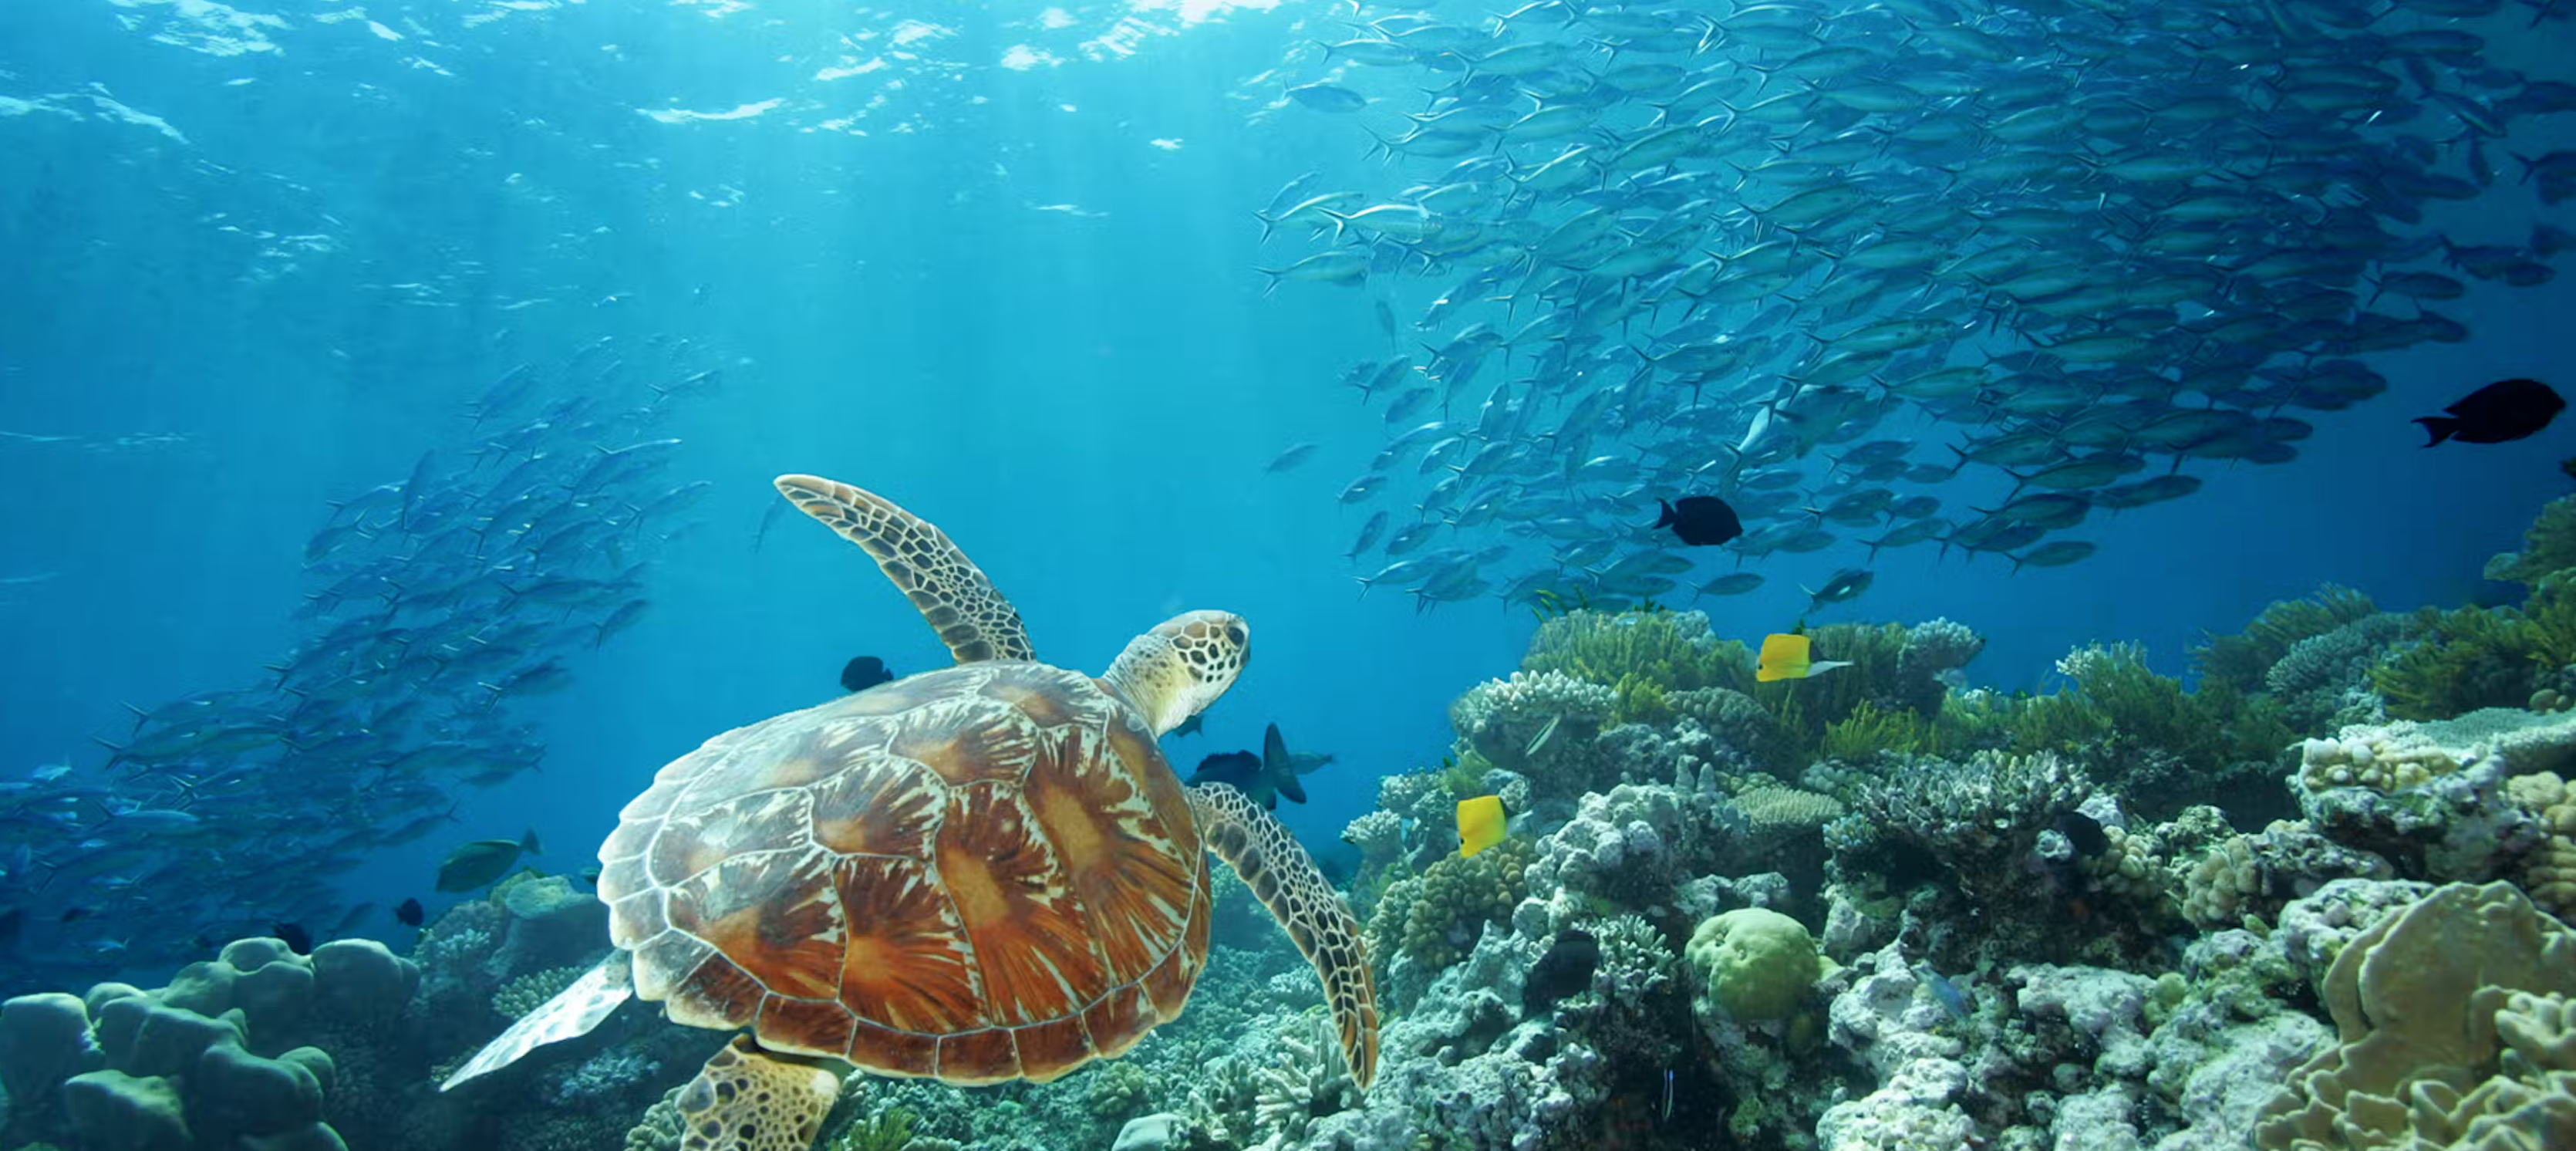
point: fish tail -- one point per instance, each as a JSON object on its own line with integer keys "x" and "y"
{"x": 528, "y": 843}
{"x": 1266, "y": 224}
{"x": 1665, "y": 520}
{"x": 2439, "y": 427}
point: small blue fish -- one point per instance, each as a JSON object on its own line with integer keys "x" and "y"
{"x": 1952, "y": 999}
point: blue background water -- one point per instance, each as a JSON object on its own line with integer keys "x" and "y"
{"x": 987, "y": 292}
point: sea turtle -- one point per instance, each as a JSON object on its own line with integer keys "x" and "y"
{"x": 978, "y": 874}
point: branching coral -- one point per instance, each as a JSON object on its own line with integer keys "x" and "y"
{"x": 2476, "y": 657}
{"x": 1980, "y": 821}
{"x": 886, "y": 1130}
{"x": 2244, "y": 660}
{"x": 2548, "y": 546}
{"x": 1667, "y": 651}
{"x": 1307, "y": 1083}
{"x": 2323, "y": 682}
{"x": 2135, "y": 729}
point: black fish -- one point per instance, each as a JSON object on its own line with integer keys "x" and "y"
{"x": 2501, "y": 411}
{"x": 297, "y": 939}
{"x": 864, "y": 672}
{"x": 11, "y": 922}
{"x": 1700, "y": 521}
{"x": 1565, "y": 970}
{"x": 74, "y": 915}
{"x": 1264, "y": 777}
{"x": 2084, "y": 832}
{"x": 409, "y": 913}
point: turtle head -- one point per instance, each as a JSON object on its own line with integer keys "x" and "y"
{"x": 1174, "y": 671}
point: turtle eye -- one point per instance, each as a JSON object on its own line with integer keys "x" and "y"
{"x": 1234, "y": 635}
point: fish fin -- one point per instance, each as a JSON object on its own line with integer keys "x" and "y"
{"x": 1666, "y": 520}
{"x": 528, "y": 843}
{"x": 1288, "y": 786}
{"x": 2439, "y": 427}
{"x": 1274, "y": 753}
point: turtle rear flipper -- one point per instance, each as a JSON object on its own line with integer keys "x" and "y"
{"x": 1286, "y": 880}
{"x": 746, "y": 1099}
{"x": 572, "y": 1012}
{"x": 949, "y": 590}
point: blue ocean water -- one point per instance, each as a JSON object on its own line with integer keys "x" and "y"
{"x": 1019, "y": 299}
{"x": 996, "y": 262}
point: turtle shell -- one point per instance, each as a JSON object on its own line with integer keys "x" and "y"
{"x": 978, "y": 874}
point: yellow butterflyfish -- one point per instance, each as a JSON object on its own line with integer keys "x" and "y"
{"x": 1480, "y": 823}
{"x": 1790, "y": 657}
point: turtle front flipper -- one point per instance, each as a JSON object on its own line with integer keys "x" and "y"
{"x": 949, "y": 590}
{"x": 746, "y": 1099}
{"x": 1280, "y": 873}
{"x": 572, "y": 1012}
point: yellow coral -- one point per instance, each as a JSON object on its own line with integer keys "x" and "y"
{"x": 1439, "y": 917}
{"x": 529, "y": 992}
{"x": 2214, "y": 890}
{"x": 2549, "y": 874}
{"x": 2426, "y": 1003}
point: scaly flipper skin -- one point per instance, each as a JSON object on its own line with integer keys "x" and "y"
{"x": 572, "y": 1012}
{"x": 746, "y": 1099}
{"x": 1286, "y": 880}
{"x": 951, "y": 592}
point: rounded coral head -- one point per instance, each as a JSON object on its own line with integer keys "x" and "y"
{"x": 1174, "y": 671}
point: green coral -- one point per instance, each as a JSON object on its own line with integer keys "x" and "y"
{"x": 2243, "y": 659}
{"x": 529, "y": 992}
{"x": 1757, "y": 964}
{"x": 2548, "y": 547}
{"x": 2133, "y": 726}
{"x": 1641, "y": 700}
{"x": 1463, "y": 777}
{"x": 1870, "y": 730}
{"x": 2476, "y": 657}
{"x": 1669, "y": 651}
{"x": 1119, "y": 1092}
{"x": 887, "y": 1130}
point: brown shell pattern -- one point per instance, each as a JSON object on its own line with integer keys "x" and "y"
{"x": 983, "y": 873}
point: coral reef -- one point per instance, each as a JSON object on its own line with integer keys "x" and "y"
{"x": 1874, "y": 909}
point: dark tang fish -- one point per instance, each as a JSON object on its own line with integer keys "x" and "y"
{"x": 409, "y": 913}
{"x": 1565, "y": 970}
{"x": 1700, "y": 521}
{"x": 2501, "y": 411}
{"x": 1264, "y": 777}
{"x": 297, "y": 939}
{"x": 864, "y": 672}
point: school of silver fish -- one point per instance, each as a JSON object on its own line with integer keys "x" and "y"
{"x": 439, "y": 601}
{"x": 1890, "y": 273}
